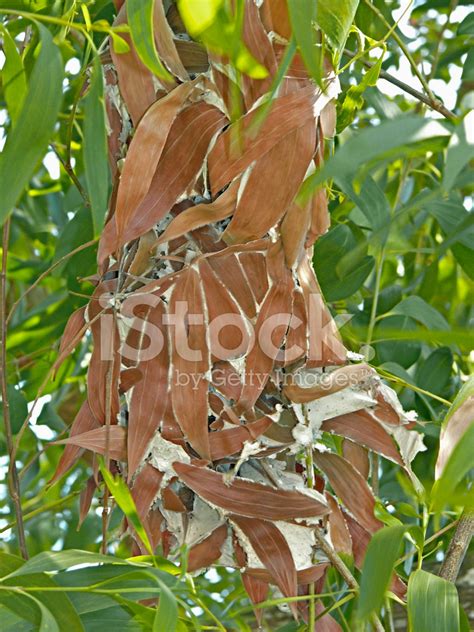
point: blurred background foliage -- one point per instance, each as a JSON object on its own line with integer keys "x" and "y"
{"x": 398, "y": 258}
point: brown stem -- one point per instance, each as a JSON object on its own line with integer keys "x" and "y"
{"x": 432, "y": 102}
{"x": 344, "y": 571}
{"x": 336, "y": 560}
{"x": 13, "y": 480}
{"x": 458, "y": 547}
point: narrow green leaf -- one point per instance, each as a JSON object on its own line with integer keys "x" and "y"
{"x": 166, "y": 617}
{"x": 18, "y": 408}
{"x": 335, "y": 18}
{"x": 140, "y": 20}
{"x": 9, "y": 563}
{"x": 13, "y": 76}
{"x": 124, "y": 500}
{"x": 435, "y": 373}
{"x": 373, "y": 143}
{"x": 433, "y": 604}
{"x": 202, "y": 17}
{"x": 460, "y": 150}
{"x": 353, "y": 99}
{"x": 379, "y": 561}
{"x": 95, "y": 148}
{"x": 467, "y": 25}
{"x": 49, "y": 561}
{"x": 212, "y": 22}
{"x": 57, "y": 602}
{"x": 27, "y": 142}
{"x": 303, "y": 22}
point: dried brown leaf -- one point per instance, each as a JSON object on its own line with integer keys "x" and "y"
{"x": 247, "y": 498}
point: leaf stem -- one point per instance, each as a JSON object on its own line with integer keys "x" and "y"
{"x": 13, "y": 479}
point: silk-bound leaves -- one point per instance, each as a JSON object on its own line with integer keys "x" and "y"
{"x": 27, "y": 142}
{"x": 140, "y": 20}
{"x": 95, "y": 148}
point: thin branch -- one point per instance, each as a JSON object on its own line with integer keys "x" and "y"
{"x": 13, "y": 480}
{"x": 458, "y": 547}
{"x": 433, "y": 103}
{"x": 39, "y": 510}
{"x": 403, "y": 48}
{"x": 44, "y": 274}
{"x": 344, "y": 571}
{"x": 336, "y": 561}
{"x": 72, "y": 174}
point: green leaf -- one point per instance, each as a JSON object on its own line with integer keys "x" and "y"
{"x": 49, "y": 561}
{"x": 460, "y": 150}
{"x": 379, "y": 561}
{"x": 95, "y": 148}
{"x": 303, "y": 17}
{"x": 18, "y": 408}
{"x": 119, "y": 43}
{"x": 27, "y": 142}
{"x": 434, "y": 374}
{"x": 199, "y": 19}
{"x": 335, "y": 18}
{"x": 47, "y": 623}
{"x": 13, "y": 76}
{"x": 124, "y": 500}
{"x": 9, "y": 563}
{"x": 166, "y": 617}
{"x": 57, "y": 602}
{"x": 140, "y": 20}
{"x": 353, "y": 99}
{"x": 214, "y": 23}
{"x": 332, "y": 249}
{"x": 423, "y": 312}
{"x": 373, "y": 143}
{"x": 468, "y": 69}
{"x": 433, "y": 604}
{"x": 467, "y": 25}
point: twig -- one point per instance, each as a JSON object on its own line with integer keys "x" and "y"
{"x": 344, "y": 571}
{"x": 44, "y": 383}
{"x": 39, "y": 510}
{"x": 336, "y": 560}
{"x": 403, "y": 48}
{"x": 13, "y": 480}
{"x": 72, "y": 174}
{"x": 108, "y": 413}
{"x": 433, "y": 103}
{"x": 432, "y": 538}
{"x": 458, "y": 547}
{"x": 311, "y": 588}
{"x": 44, "y": 274}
